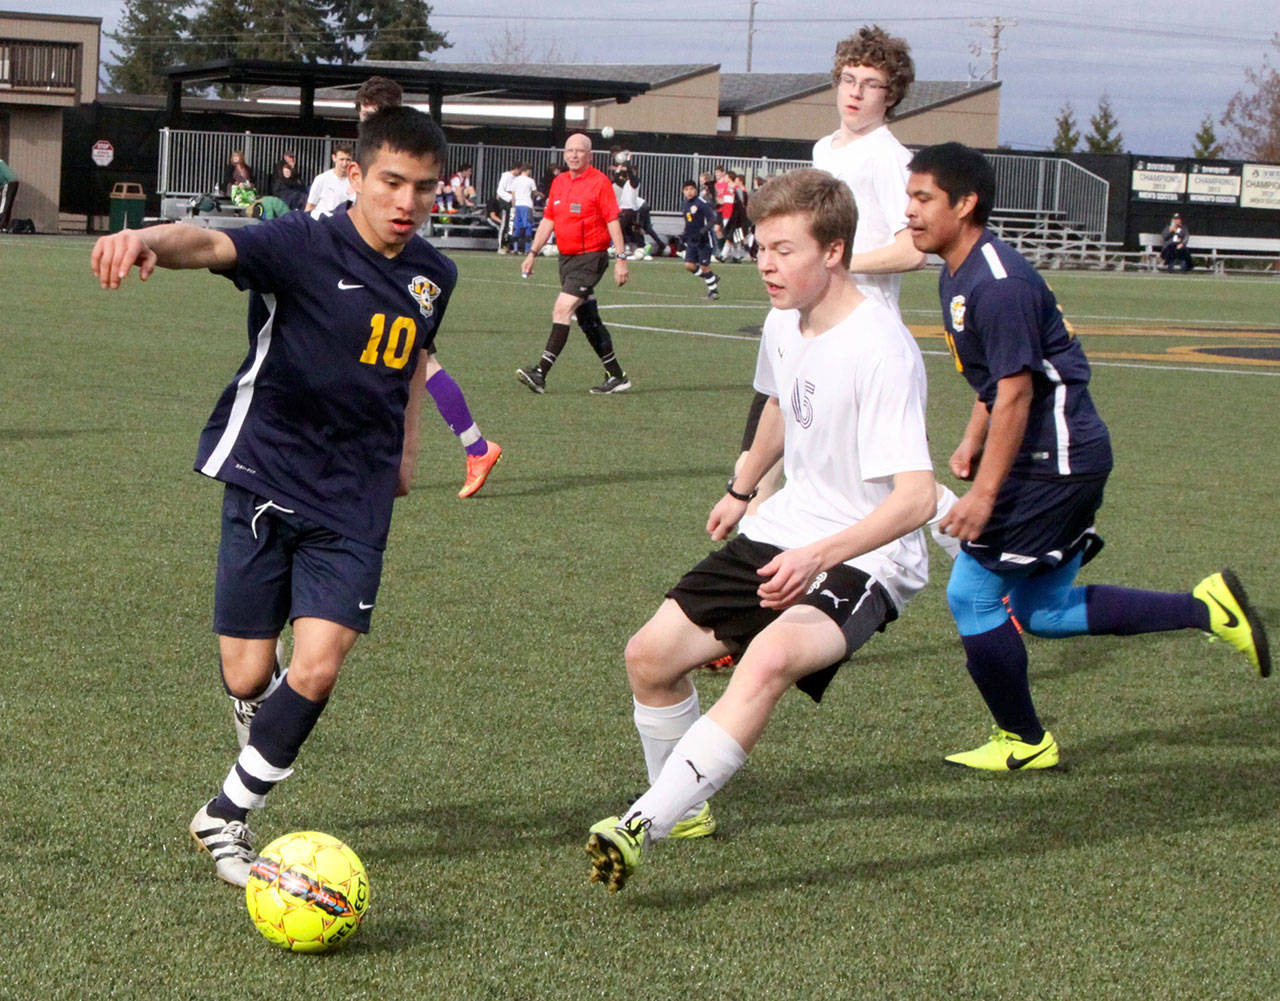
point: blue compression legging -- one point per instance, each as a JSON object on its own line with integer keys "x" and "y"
{"x": 1048, "y": 604}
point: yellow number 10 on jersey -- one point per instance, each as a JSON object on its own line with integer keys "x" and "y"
{"x": 399, "y": 343}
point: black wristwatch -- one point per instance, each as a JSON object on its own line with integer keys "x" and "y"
{"x": 728, "y": 488}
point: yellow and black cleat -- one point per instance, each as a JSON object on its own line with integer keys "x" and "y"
{"x": 1233, "y": 619}
{"x": 614, "y": 848}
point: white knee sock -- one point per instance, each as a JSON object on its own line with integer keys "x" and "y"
{"x": 661, "y": 728}
{"x": 703, "y": 760}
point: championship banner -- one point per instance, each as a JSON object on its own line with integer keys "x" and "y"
{"x": 1158, "y": 181}
{"x": 1214, "y": 184}
{"x": 1260, "y": 186}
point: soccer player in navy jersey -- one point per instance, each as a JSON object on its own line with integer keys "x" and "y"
{"x": 700, "y": 223}
{"x": 1038, "y": 456}
{"x": 313, "y": 438}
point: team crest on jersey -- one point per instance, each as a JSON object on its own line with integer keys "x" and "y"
{"x": 957, "y": 313}
{"x": 425, "y": 291}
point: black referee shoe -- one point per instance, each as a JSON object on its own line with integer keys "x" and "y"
{"x": 613, "y": 384}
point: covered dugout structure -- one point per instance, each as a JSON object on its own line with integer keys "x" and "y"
{"x": 436, "y": 80}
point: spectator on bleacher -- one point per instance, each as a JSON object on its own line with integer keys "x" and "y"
{"x": 1173, "y": 252}
{"x": 550, "y": 174}
{"x": 464, "y": 192}
{"x": 236, "y": 173}
{"x": 286, "y": 184}
{"x": 332, "y": 188}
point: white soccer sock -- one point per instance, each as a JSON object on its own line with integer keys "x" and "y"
{"x": 661, "y": 728}
{"x": 704, "y": 759}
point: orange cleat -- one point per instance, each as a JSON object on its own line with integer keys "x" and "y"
{"x": 478, "y": 469}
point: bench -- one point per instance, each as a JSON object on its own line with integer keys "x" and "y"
{"x": 1219, "y": 250}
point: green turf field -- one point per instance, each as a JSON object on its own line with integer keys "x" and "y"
{"x": 486, "y": 722}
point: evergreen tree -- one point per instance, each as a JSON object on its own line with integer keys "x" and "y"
{"x": 1206, "y": 145}
{"x": 385, "y": 29}
{"x": 293, "y": 31}
{"x": 1104, "y": 135}
{"x": 150, "y": 38}
{"x": 1068, "y": 136}
{"x": 220, "y": 29}
{"x": 1253, "y": 116}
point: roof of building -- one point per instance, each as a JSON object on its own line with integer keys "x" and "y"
{"x": 513, "y": 82}
{"x": 745, "y": 93}
{"x": 655, "y": 75}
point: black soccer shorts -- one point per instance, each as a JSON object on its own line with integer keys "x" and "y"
{"x": 720, "y": 594}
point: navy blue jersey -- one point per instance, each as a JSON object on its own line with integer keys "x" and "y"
{"x": 699, "y": 219}
{"x": 314, "y": 418}
{"x": 1001, "y": 319}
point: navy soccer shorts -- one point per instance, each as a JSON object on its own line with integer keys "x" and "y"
{"x": 580, "y": 273}
{"x": 698, "y": 251}
{"x": 720, "y": 594}
{"x": 1040, "y": 524}
{"x": 275, "y": 566}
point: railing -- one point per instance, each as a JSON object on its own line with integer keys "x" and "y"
{"x": 1050, "y": 186}
{"x": 39, "y": 66}
{"x": 191, "y": 163}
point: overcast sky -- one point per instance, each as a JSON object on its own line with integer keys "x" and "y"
{"x": 1163, "y": 72}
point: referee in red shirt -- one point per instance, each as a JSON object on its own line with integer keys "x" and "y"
{"x": 583, "y": 212}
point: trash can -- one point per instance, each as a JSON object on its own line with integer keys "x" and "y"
{"x": 127, "y": 206}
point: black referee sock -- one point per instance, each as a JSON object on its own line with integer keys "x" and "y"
{"x": 555, "y": 344}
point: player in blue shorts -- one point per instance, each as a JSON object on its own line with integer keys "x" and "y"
{"x": 700, "y": 222}
{"x": 1038, "y": 456}
{"x": 313, "y": 439}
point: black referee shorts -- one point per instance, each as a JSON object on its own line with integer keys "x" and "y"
{"x": 580, "y": 273}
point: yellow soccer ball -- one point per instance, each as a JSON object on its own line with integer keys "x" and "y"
{"x": 307, "y": 892}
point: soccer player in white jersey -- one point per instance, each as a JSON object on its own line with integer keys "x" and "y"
{"x": 871, "y": 73}
{"x": 826, "y": 562}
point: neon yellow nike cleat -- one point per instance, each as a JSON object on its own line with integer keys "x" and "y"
{"x": 1007, "y": 752}
{"x": 1233, "y": 619}
{"x": 614, "y": 847}
{"x": 701, "y": 825}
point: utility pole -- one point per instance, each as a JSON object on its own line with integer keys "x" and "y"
{"x": 994, "y": 26}
{"x": 751, "y": 29}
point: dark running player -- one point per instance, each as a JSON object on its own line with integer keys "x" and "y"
{"x": 1038, "y": 455}
{"x": 314, "y": 437}
{"x": 583, "y": 212}
{"x": 700, "y": 222}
